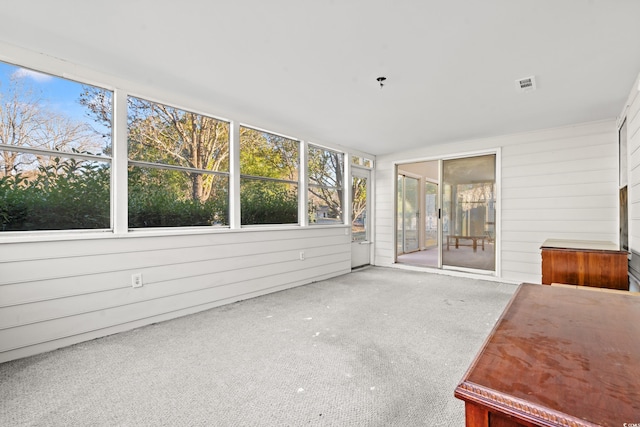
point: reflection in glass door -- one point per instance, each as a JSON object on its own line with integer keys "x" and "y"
{"x": 468, "y": 213}
{"x": 431, "y": 215}
{"x": 408, "y": 214}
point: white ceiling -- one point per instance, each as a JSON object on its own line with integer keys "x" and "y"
{"x": 308, "y": 68}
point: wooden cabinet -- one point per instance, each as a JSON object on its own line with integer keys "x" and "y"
{"x": 558, "y": 356}
{"x": 585, "y": 263}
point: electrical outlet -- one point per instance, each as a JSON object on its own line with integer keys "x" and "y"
{"x": 136, "y": 280}
{"x": 301, "y": 255}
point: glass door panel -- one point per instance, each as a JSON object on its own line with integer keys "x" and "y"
{"x": 400, "y": 216}
{"x": 411, "y": 214}
{"x": 359, "y": 229}
{"x": 431, "y": 215}
{"x": 468, "y": 213}
{"x": 407, "y": 216}
{"x": 360, "y": 241}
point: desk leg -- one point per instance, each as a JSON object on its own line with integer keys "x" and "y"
{"x": 475, "y": 415}
{"x": 475, "y": 245}
{"x": 456, "y": 242}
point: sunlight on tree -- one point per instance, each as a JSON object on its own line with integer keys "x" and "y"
{"x": 51, "y": 175}
{"x": 326, "y": 183}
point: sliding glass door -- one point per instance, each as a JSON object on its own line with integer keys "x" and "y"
{"x": 468, "y": 213}
{"x": 408, "y": 214}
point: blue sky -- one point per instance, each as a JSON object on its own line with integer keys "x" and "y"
{"x": 61, "y": 94}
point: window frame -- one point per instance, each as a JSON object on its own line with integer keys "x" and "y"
{"x": 119, "y": 162}
{"x": 243, "y": 176}
{"x": 169, "y": 167}
{"x": 362, "y": 162}
{"x": 343, "y": 220}
{"x": 73, "y": 154}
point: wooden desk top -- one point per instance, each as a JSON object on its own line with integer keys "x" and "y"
{"x": 561, "y": 357}
{"x": 587, "y": 245}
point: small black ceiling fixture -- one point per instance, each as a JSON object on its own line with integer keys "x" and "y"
{"x": 381, "y": 80}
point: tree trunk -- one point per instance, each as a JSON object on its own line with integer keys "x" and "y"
{"x": 196, "y": 186}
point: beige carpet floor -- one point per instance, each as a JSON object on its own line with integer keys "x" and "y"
{"x": 376, "y": 347}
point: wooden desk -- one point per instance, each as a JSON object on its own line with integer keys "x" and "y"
{"x": 585, "y": 263}
{"x": 558, "y": 356}
{"x": 474, "y": 241}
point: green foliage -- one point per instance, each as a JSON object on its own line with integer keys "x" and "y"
{"x": 170, "y": 136}
{"x": 162, "y": 198}
{"x": 325, "y": 169}
{"x": 158, "y": 208}
{"x": 75, "y": 194}
{"x": 155, "y": 205}
{"x": 14, "y": 206}
{"x": 267, "y": 155}
{"x": 264, "y": 202}
{"x": 65, "y": 194}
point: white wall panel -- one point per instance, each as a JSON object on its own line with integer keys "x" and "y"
{"x": 593, "y": 214}
{"x": 632, "y": 115}
{"x": 62, "y": 292}
{"x": 562, "y": 204}
{"x": 633, "y": 148}
{"x": 534, "y": 239}
{"x": 555, "y": 183}
{"x": 557, "y": 179}
{"x": 541, "y": 191}
{"x": 165, "y": 282}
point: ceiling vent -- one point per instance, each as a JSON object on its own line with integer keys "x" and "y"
{"x": 527, "y": 84}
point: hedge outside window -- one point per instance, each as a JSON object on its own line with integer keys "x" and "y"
{"x": 325, "y": 186}
{"x": 56, "y": 166}
{"x": 55, "y": 163}
{"x": 178, "y": 167}
{"x": 269, "y": 169}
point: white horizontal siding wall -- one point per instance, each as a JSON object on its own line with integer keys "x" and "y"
{"x": 555, "y": 183}
{"x": 633, "y": 186}
{"x": 58, "y": 293}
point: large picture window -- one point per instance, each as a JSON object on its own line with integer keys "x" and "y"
{"x": 55, "y": 165}
{"x": 178, "y": 167}
{"x": 269, "y": 166}
{"x": 58, "y": 170}
{"x": 326, "y": 186}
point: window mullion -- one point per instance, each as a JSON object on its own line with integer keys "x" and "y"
{"x": 303, "y": 197}
{"x": 347, "y": 188}
{"x": 234, "y": 175}
{"x": 119, "y": 169}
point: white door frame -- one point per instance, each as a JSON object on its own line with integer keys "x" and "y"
{"x": 498, "y": 203}
{"x": 361, "y": 249}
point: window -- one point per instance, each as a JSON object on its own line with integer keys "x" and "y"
{"x": 55, "y": 165}
{"x": 326, "y": 186}
{"x": 362, "y": 161}
{"x": 178, "y": 167}
{"x": 269, "y": 166}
